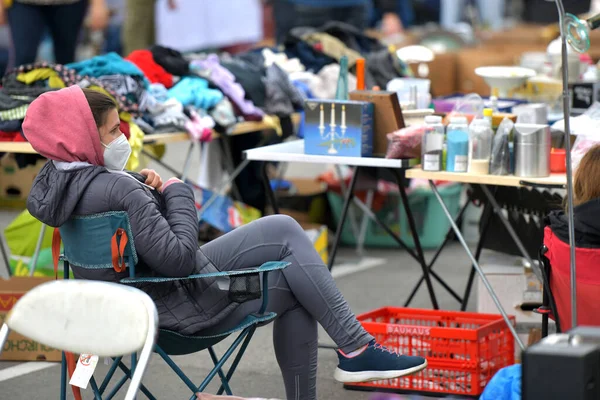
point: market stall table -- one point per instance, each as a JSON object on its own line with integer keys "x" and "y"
{"x": 293, "y": 151}
{"x": 557, "y": 181}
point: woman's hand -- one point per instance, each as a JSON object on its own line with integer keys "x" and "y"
{"x": 98, "y": 15}
{"x": 152, "y": 178}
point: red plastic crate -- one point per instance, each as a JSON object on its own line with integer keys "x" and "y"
{"x": 463, "y": 350}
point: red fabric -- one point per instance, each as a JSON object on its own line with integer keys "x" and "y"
{"x": 588, "y": 281}
{"x": 124, "y": 127}
{"x": 154, "y": 72}
{"x": 8, "y": 136}
{"x": 60, "y": 126}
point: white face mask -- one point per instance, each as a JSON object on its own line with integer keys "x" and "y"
{"x": 117, "y": 153}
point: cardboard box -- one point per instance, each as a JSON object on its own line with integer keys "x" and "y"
{"x": 15, "y": 182}
{"x": 387, "y": 116}
{"x": 442, "y": 74}
{"x": 489, "y": 55}
{"x": 518, "y": 290}
{"x": 307, "y": 197}
{"x": 524, "y": 33}
{"x": 338, "y": 128}
{"x": 18, "y": 347}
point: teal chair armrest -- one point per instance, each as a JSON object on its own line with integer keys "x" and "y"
{"x": 266, "y": 267}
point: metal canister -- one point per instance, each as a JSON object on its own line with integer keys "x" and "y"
{"x": 532, "y": 144}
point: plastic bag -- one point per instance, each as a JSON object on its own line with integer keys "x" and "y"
{"x": 470, "y": 106}
{"x": 406, "y": 142}
{"x": 500, "y": 160}
{"x": 581, "y": 146}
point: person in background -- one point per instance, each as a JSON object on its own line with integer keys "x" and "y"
{"x": 63, "y": 19}
{"x": 138, "y": 26}
{"x": 491, "y": 12}
{"x": 289, "y": 14}
{"x": 112, "y": 34}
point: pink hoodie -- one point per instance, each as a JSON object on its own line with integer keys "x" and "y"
{"x": 60, "y": 126}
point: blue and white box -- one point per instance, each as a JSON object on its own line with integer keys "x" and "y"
{"x": 338, "y": 128}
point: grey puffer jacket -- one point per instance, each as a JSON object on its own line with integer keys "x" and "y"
{"x": 165, "y": 230}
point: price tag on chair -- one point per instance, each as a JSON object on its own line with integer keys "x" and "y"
{"x": 84, "y": 370}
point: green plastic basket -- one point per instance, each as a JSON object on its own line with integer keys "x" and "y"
{"x": 432, "y": 224}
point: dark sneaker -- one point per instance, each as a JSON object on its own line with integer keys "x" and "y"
{"x": 375, "y": 363}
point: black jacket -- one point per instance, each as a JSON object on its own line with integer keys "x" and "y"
{"x": 165, "y": 233}
{"x": 587, "y": 224}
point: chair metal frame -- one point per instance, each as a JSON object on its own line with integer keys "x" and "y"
{"x": 164, "y": 345}
{"x": 66, "y": 289}
{"x": 548, "y": 304}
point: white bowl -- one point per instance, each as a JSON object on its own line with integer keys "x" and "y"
{"x": 505, "y": 78}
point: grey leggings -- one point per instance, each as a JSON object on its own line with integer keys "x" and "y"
{"x": 302, "y": 295}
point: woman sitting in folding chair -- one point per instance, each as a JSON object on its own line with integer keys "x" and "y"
{"x": 78, "y": 130}
{"x": 586, "y": 199}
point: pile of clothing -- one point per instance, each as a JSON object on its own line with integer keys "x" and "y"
{"x": 158, "y": 90}
{"x": 320, "y": 50}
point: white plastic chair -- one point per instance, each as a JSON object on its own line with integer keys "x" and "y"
{"x": 105, "y": 319}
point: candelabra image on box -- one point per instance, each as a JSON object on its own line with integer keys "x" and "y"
{"x": 332, "y": 135}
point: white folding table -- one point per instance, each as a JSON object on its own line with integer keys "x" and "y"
{"x": 293, "y": 151}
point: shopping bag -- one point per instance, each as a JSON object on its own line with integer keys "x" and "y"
{"x": 224, "y": 213}
{"x": 21, "y": 237}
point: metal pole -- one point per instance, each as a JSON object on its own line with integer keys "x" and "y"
{"x": 484, "y": 279}
{"x": 353, "y": 220}
{"x": 567, "y": 113}
{"x": 38, "y": 248}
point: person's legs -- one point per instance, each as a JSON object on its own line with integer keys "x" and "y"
{"x": 300, "y": 294}
{"x": 284, "y": 17}
{"x": 294, "y": 336}
{"x": 281, "y": 238}
{"x": 26, "y": 27}
{"x": 138, "y": 25}
{"x": 65, "y": 22}
{"x": 450, "y": 12}
{"x": 492, "y": 12}
{"x": 357, "y": 16}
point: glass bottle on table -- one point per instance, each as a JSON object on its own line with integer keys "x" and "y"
{"x": 480, "y": 146}
{"x": 433, "y": 143}
{"x": 457, "y": 145}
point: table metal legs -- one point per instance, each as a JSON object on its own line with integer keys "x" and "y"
{"x": 5, "y": 258}
{"x": 181, "y": 174}
{"x": 487, "y": 216}
{"x": 401, "y": 180}
{"x": 268, "y": 189}
{"x": 418, "y": 255}
{"x": 349, "y": 196}
{"x": 484, "y": 279}
{"x": 449, "y": 236}
{"x": 507, "y": 225}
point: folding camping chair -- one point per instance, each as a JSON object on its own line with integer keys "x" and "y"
{"x": 105, "y": 241}
{"x": 97, "y": 324}
{"x": 555, "y": 257}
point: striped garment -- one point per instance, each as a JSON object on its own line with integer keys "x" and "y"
{"x": 47, "y": 2}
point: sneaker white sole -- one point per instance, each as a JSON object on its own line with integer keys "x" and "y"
{"x": 369, "y": 376}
